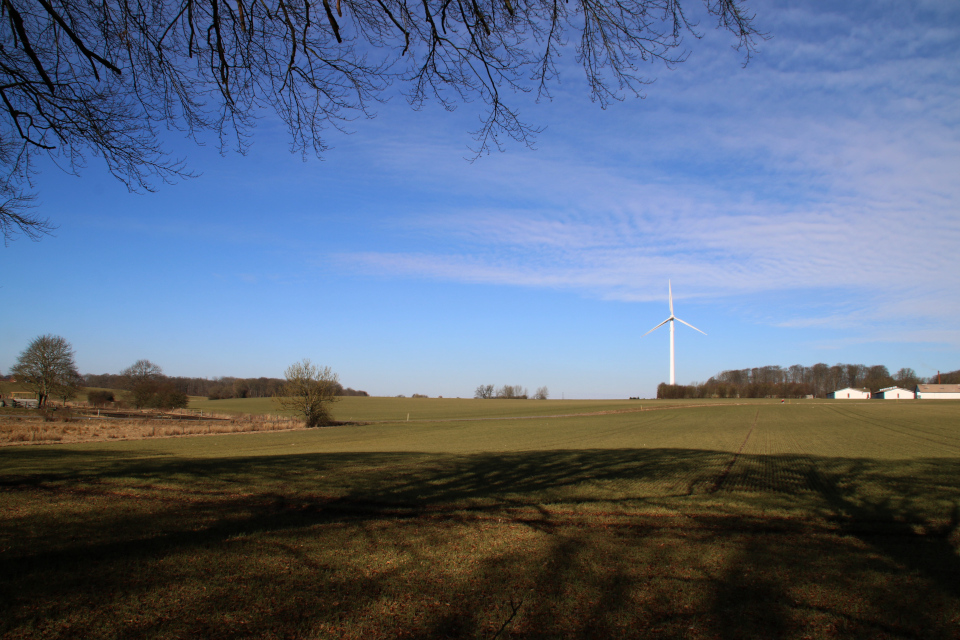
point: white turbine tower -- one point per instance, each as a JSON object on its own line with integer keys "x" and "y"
{"x": 673, "y": 376}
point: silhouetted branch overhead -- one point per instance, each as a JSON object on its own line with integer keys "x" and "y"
{"x": 87, "y": 77}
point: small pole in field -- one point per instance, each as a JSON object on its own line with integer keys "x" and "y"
{"x": 408, "y": 417}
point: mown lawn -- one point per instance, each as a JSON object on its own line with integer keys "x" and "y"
{"x": 816, "y": 520}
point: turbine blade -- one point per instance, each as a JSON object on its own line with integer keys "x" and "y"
{"x": 670, "y": 290}
{"x": 660, "y": 325}
{"x": 691, "y": 326}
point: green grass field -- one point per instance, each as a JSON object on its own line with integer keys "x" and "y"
{"x": 360, "y": 409}
{"x": 807, "y": 520}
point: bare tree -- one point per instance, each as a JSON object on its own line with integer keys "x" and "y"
{"x": 835, "y": 377}
{"x": 68, "y": 388}
{"x": 877, "y": 377}
{"x": 542, "y": 393}
{"x": 906, "y": 378}
{"x": 820, "y": 373}
{"x": 484, "y": 392}
{"x": 854, "y": 374}
{"x": 102, "y": 77}
{"x": 512, "y": 392}
{"x": 309, "y": 391}
{"x": 797, "y": 373}
{"x": 142, "y": 379}
{"x": 47, "y": 366}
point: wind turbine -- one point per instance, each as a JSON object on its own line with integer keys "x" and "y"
{"x": 673, "y": 376}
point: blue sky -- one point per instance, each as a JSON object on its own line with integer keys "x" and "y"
{"x": 806, "y": 208}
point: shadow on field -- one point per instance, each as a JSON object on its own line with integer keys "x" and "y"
{"x": 666, "y": 543}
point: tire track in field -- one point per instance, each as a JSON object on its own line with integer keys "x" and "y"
{"x": 914, "y": 434}
{"x": 736, "y": 456}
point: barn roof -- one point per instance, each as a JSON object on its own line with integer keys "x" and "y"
{"x": 938, "y": 388}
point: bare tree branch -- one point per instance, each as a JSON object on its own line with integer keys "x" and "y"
{"x": 210, "y": 65}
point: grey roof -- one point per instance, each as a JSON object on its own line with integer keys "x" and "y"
{"x": 938, "y": 388}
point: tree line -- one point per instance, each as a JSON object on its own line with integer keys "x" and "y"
{"x": 47, "y": 366}
{"x": 509, "y": 392}
{"x": 798, "y": 381}
{"x": 212, "y": 388}
{"x": 223, "y": 388}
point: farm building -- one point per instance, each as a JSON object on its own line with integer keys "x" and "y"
{"x": 850, "y": 393}
{"x": 894, "y": 393}
{"x": 938, "y": 392}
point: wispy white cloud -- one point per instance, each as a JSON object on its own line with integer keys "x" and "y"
{"x": 829, "y": 165}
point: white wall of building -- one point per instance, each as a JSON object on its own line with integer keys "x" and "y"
{"x": 849, "y": 394}
{"x": 930, "y": 395}
{"x": 895, "y": 393}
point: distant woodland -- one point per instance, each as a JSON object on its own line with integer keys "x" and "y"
{"x": 799, "y": 381}
{"x": 212, "y": 388}
{"x": 772, "y": 381}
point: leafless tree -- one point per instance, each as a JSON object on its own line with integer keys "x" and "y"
{"x": 835, "y": 377}
{"x": 47, "y": 366}
{"x": 542, "y": 393}
{"x": 309, "y": 391}
{"x": 820, "y": 375}
{"x": 877, "y": 377}
{"x": 854, "y": 374}
{"x": 512, "y": 392}
{"x": 484, "y": 392}
{"x": 101, "y": 78}
{"x": 906, "y": 378}
{"x": 68, "y": 388}
{"x": 142, "y": 379}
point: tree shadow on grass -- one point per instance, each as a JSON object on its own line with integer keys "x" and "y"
{"x": 594, "y": 555}
{"x": 897, "y": 522}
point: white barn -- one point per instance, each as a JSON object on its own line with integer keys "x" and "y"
{"x": 938, "y": 391}
{"x": 894, "y": 393}
{"x": 850, "y": 393}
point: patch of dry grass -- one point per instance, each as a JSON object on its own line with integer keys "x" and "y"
{"x": 40, "y": 429}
